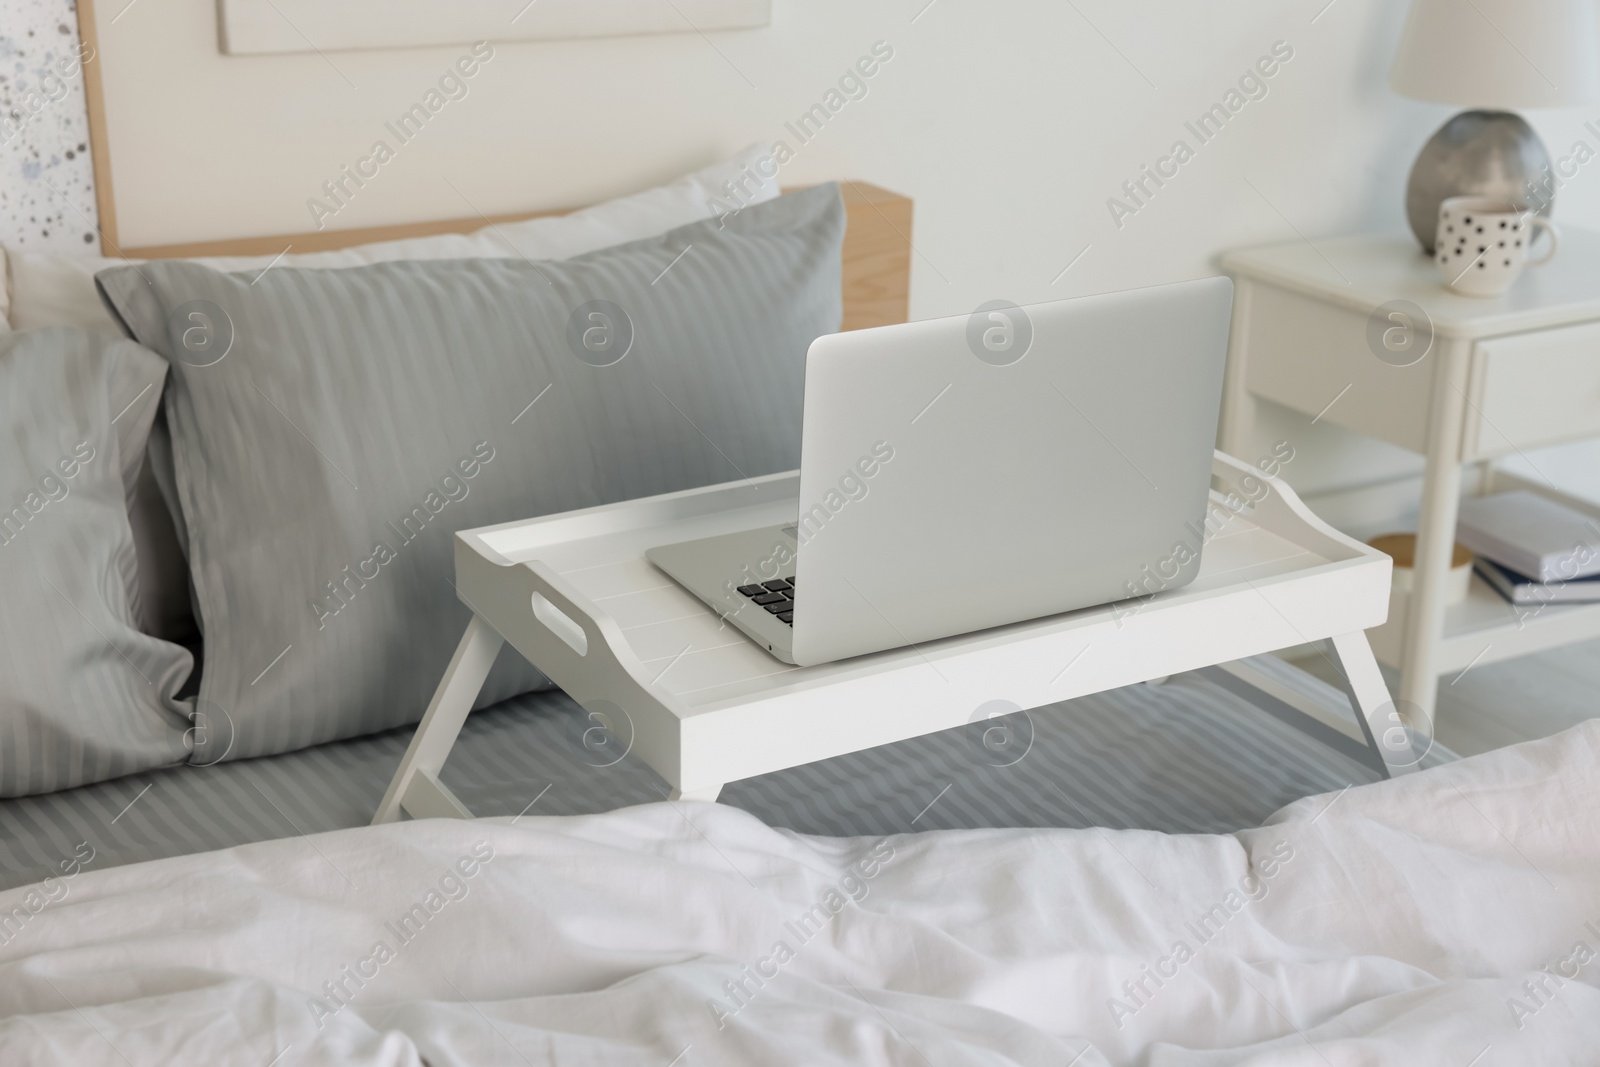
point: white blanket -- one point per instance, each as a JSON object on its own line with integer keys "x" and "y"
{"x": 1452, "y": 917}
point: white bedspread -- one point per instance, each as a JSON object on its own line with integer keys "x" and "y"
{"x": 1449, "y": 918}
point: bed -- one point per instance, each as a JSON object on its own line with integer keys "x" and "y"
{"x": 1180, "y": 758}
{"x": 191, "y": 883}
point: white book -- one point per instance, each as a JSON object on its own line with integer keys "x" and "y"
{"x": 1531, "y": 535}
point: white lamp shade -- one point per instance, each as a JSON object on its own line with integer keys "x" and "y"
{"x": 1500, "y": 54}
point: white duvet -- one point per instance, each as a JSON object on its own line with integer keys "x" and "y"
{"x": 1452, "y": 918}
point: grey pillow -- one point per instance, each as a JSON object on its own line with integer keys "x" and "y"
{"x": 331, "y": 429}
{"x": 84, "y": 695}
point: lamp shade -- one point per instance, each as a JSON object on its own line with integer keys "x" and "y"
{"x": 1500, "y": 54}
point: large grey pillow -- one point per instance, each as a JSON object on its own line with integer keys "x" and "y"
{"x": 84, "y": 695}
{"x": 330, "y": 429}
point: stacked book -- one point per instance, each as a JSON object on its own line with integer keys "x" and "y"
{"x": 1531, "y": 549}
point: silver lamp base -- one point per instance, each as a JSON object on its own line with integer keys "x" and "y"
{"x": 1478, "y": 153}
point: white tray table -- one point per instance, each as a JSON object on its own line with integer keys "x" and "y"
{"x": 668, "y": 679}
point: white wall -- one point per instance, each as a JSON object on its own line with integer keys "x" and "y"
{"x": 1009, "y": 123}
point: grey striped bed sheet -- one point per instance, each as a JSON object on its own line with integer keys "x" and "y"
{"x": 1184, "y": 757}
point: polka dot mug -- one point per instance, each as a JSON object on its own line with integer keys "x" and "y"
{"x": 1483, "y": 243}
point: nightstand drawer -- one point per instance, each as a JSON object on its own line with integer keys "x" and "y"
{"x": 1312, "y": 356}
{"x": 1535, "y": 389}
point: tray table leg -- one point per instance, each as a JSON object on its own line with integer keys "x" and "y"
{"x": 1375, "y": 712}
{"x": 708, "y": 793}
{"x": 1257, "y": 680}
{"x": 446, "y": 714}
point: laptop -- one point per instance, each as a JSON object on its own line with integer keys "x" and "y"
{"x": 963, "y": 473}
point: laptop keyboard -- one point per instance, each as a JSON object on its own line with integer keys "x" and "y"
{"x": 776, "y": 596}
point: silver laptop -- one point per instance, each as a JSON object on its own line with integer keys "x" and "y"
{"x": 968, "y": 472}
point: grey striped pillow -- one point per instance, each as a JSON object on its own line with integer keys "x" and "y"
{"x": 84, "y": 695}
{"x": 332, "y": 428}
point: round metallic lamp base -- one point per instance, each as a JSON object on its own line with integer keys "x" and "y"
{"x": 1477, "y": 153}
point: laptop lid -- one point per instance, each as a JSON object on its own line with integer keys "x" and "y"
{"x": 967, "y": 472}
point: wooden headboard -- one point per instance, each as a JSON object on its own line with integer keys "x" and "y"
{"x": 877, "y": 241}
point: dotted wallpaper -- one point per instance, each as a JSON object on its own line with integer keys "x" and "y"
{"x": 46, "y": 179}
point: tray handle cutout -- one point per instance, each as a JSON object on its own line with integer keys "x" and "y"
{"x": 561, "y": 624}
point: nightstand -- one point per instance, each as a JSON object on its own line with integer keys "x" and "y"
{"x": 1360, "y": 332}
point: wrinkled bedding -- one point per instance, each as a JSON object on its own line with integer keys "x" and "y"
{"x": 1449, "y": 917}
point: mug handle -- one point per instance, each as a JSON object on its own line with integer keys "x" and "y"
{"x": 1536, "y": 223}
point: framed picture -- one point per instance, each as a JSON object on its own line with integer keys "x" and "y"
{"x": 250, "y": 27}
{"x": 48, "y": 191}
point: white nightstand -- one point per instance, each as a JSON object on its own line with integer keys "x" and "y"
{"x": 1463, "y": 381}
